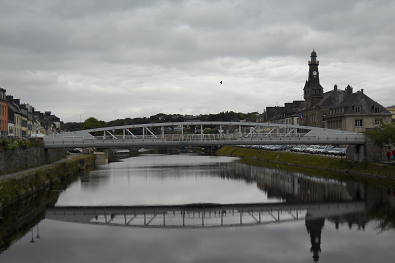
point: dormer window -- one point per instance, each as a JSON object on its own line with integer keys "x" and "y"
{"x": 376, "y": 109}
{"x": 357, "y": 109}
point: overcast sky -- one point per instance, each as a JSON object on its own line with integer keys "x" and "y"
{"x": 120, "y": 58}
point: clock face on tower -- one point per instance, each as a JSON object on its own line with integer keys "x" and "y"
{"x": 315, "y": 73}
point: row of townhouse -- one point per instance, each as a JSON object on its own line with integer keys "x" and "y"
{"x": 336, "y": 109}
{"x": 21, "y": 120}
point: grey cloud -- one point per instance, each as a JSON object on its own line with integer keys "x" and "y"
{"x": 153, "y": 55}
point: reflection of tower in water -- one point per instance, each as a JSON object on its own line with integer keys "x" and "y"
{"x": 314, "y": 228}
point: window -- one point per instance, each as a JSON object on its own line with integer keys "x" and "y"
{"x": 358, "y": 123}
{"x": 357, "y": 109}
{"x": 376, "y": 109}
{"x": 377, "y": 122}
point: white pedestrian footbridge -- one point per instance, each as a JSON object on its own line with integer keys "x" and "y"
{"x": 194, "y": 134}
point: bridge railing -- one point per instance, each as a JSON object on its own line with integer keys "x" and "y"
{"x": 264, "y": 137}
{"x": 166, "y": 137}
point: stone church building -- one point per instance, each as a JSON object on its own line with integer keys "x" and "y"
{"x": 336, "y": 109}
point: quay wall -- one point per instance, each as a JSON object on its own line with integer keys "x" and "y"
{"x": 18, "y": 187}
{"x": 20, "y": 159}
{"x": 19, "y": 218}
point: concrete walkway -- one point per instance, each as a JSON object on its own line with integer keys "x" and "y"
{"x": 25, "y": 171}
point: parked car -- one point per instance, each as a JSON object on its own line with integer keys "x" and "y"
{"x": 295, "y": 148}
{"x": 267, "y": 147}
{"x": 320, "y": 150}
{"x": 341, "y": 151}
{"x": 36, "y": 135}
{"x": 333, "y": 151}
{"x": 327, "y": 149}
{"x": 277, "y": 148}
{"x": 311, "y": 148}
{"x": 75, "y": 150}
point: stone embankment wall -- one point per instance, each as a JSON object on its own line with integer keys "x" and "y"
{"x": 372, "y": 152}
{"x": 24, "y": 184}
{"x": 20, "y": 159}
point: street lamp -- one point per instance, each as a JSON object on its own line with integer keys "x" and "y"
{"x": 38, "y": 233}
{"x": 32, "y": 241}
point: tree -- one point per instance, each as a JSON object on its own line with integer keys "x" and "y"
{"x": 93, "y": 123}
{"x": 384, "y": 135}
{"x": 70, "y": 126}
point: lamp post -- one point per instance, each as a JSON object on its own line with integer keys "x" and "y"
{"x": 38, "y": 233}
{"x": 32, "y": 241}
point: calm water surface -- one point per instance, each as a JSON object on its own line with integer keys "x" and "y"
{"x": 167, "y": 180}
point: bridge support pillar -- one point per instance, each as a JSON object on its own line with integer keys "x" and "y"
{"x": 101, "y": 157}
{"x": 361, "y": 150}
{"x": 210, "y": 150}
{"x": 357, "y": 153}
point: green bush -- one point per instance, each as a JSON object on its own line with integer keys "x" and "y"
{"x": 20, "y": 143}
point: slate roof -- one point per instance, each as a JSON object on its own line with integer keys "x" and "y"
{"x": 362, "y": 100}
{"x": 329, "y": 100}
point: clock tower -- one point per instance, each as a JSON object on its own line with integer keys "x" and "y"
{"x": 313, "y": 91}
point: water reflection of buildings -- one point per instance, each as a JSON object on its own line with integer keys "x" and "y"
{"x": 296, "y": 187}
{"x": 292, "y": 186}
{"x": 314, "y": 228}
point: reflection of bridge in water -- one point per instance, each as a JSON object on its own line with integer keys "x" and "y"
{"x": 202, "y": 215}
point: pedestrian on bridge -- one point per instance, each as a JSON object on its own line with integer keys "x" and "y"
{"x": 393, "y": 153}
{"x": 388, "y": 155}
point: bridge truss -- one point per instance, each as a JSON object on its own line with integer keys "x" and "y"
{"x": 192, "y": 134}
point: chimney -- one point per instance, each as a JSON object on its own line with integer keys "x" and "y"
{"x": 362, "y": 91}
{"x": 349, "y": 90}
{"x": 335, "y": 94}
{"x": 10, "y": 98}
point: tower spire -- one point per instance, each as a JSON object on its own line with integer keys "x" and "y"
{"x": 313, "y": 91}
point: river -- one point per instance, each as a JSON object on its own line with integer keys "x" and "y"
{"x": 194, "y": 208}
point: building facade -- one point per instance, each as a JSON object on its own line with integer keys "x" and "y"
{"x": 335, "y": 109}
{"x": 392, "y": 110}
{"x": 14, "y": 117}
{"x": 3, "y": 112}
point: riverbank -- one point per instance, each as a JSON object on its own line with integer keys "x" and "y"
{"x": 16, "y": 186}
{"x": 329, "y": 164}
